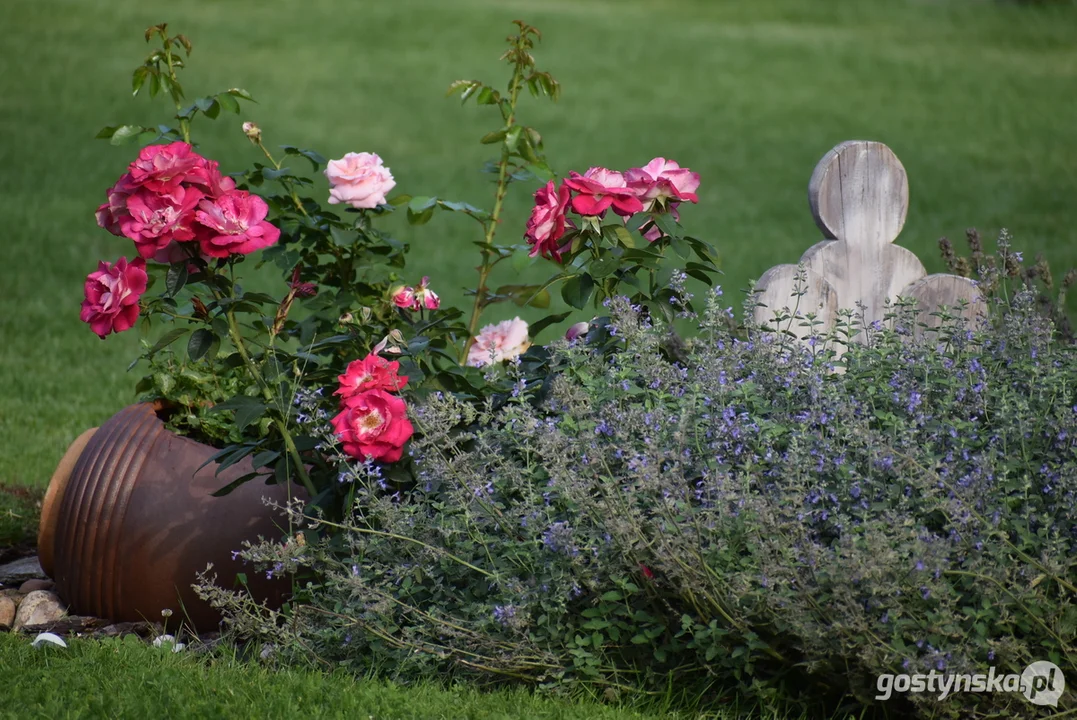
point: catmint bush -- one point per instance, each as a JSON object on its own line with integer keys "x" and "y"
{"x": 755, "y": 517}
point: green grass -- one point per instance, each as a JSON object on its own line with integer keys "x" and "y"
{"x": 127, "y": 679}
{"x": 977, "y": 98}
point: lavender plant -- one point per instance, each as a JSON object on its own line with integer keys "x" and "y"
{"x": 746, "y": 520}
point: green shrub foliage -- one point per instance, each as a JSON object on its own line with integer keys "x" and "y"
{"x": 759, "y": 516}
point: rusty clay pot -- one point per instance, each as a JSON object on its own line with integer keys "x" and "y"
{"x": 129, "y": 519}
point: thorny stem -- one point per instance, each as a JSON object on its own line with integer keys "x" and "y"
{"x": 185, "y": 123}
{"x": 495, "y": 216}
{"x": 287, "y": 185}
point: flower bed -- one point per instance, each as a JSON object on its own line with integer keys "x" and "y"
{"x": 615, "y": 510}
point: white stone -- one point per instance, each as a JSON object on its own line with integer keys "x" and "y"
{"x": 38, "y": 608}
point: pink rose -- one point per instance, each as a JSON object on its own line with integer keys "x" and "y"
{"x": 359, "y": 180}
{"x": 153, "y": 221}
{"x": 112, "y": 294}
{"x": 163, "y": 168}
{"x": 427, "y": 297}
{"x": 110, "y": 213}
{"x": 576, "y": 331}
{"x": 661, "y": 179}
{"x": 370, "y": 373}
{"x": 374, "y": 425}
{"x": 503, "y": 341}
{"x": 404, "y": 298}
{"x": 599, "y": 189}
{"x": 211, "y": 179}
{"x": 234, "y": 223}
{"x": 547, "y": 222}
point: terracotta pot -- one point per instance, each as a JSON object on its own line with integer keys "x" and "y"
{"x": 129, "y": 519}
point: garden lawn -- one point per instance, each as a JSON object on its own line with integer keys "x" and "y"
{"x": 976, "y": 98}
{"x": 127, "y": 679}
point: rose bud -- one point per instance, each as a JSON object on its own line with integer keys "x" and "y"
{"x": 576, "y": 331}
{"x": 253, "y": 132}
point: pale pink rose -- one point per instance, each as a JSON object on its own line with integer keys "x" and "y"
{"x": 112, "y": 294}
{"x": 495, "y": 343}
{"x": 359, "y": 180}
{"x": 660, "y": 180}
{"x": 577, "y": 330}
{"x": 404, "y": 298}
{"x": 234, "y": 223}
{"x": 426, "y": 297}
{"x": 153, "y": 221}
{"x": 600, "y": 189}
{"x": 373, "y": 425}
{"x": 547, "y": 223}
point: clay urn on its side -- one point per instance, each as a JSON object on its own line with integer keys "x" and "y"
{"x": 129, "y": 519}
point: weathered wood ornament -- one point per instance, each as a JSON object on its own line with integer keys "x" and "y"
{"x": 859, "y": 196}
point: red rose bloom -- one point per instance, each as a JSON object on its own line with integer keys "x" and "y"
{"x": 547, "y": 222}
{"x": 234, "y": 223}
{"x": 370, "y": 373}
{"x": 112, "y": 294}
{"x": 373, "y": 425}
{"x": 600, "y": 189}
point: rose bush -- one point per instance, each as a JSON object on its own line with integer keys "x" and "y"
{"x": 248, "y": 353}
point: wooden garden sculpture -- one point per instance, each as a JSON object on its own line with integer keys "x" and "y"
{"x": 859, "y": 195}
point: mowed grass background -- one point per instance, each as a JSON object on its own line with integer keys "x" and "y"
{"x": 978, "y": 99}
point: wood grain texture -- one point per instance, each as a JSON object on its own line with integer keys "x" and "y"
{"x": 776, "y": 297}
{"x": 859, "y": 197}
{"x": 942, "y": 290}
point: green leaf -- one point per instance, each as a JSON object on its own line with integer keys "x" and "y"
{"x": 533, "y": 295}
{"x": 680, "y": 247}
{"x": 201, "y": 343}
{"x": 106, "y": 132}
{"x": 227, "y": 102}
{"x": 542, "y": 171}
{"x": 167, "y": 339}
{"x": 521, "y": 259}
{"x": 577, "y": 291}
{"x": 512, "y": 137}
{"x": 603, "y": 266}
{"x": 237, "y": 92}
{"x": 539, "y": 325}
{"x": 316, "y": 159}
{"x": 273, "y": 174}
{"x": 125, "y": 134}
{"x": 420, "y": 218}
{"x": 176, "y": 278}
{"x": 138, "y": 78}
{"x": 247, "y": 409}
{"x": 342, "y": 237}
{"x": 420, "y": 203}
{"x": 665, "y": 223}
{"x": 624, "y": 236}
{"x": 495, "y": 137}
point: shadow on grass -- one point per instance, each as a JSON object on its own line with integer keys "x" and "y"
{"x": 20, "y": 509}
